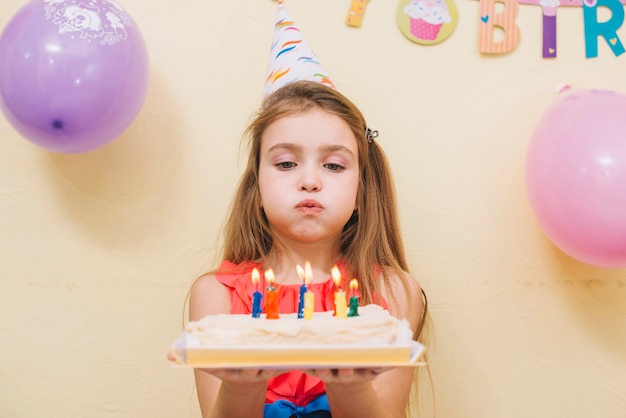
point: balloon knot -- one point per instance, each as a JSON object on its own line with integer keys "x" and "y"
{"x": 562, "y": 87}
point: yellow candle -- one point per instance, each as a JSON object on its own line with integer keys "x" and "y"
{"x": 340, "y": 295}
{"x": 309, "y": 304}
{"x": 340, "y": 304}
{"x": 309, "y": 296}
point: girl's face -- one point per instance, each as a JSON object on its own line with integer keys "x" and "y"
{"x": 308, "y": 176}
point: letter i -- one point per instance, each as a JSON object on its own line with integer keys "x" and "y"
{"x": 504, "y": 20}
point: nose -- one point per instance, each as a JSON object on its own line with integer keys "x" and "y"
{"x": 309, "y": 181}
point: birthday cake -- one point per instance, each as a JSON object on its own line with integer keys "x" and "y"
{"x": 372, "y": 337}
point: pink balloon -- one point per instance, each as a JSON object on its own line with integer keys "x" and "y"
{"x": 73, "y": 75}
{"x": 576, "y": 176}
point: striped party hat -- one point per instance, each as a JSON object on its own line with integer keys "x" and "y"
{"x": 291, "y": 57}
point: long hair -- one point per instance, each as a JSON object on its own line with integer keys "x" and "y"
{"x": 370, "y": 238}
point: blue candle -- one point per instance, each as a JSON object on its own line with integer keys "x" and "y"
{"x": 306, "y": 274}
{"x": 256, "y": 304}
{"x": 301, "y": 301}
{"x": 256, "y": 296}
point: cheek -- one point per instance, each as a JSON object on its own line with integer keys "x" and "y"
{"x": 268, "y": 192}
{"x": 350, "y": 193}
{"x": 262, "y": 182}
{"x": 262, "y": 194}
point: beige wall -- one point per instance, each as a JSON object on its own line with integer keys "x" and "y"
{"x": 97, "y": 250}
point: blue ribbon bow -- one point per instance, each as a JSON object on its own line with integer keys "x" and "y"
{"x": 318, "y": 408}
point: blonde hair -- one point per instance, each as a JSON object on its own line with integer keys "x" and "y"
{"x": 370, "y": 238}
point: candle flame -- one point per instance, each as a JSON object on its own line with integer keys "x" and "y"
{"x": 336, "y": 274}
{"x": 269, "y": 276}
{"x": 354, "y": 284}
{"x": 255, "y": 276}
{"x": 308, "y": 273}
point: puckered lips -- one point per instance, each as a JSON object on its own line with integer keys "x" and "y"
{"x": 309, "y": 206}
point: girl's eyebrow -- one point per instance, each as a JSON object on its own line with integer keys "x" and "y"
{"x": 284, "y": 146}
{"x": 287, "y": 146}
{"x": 337, "y": 148}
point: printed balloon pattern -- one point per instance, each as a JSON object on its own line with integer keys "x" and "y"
{"x": 74, "y": 75}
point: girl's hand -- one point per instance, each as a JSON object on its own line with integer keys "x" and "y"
{"x": 346, "y": 375}
{"x": 171, "y": 356}
{"x": 243, "y": 375}
{"x": 237, "y": 375}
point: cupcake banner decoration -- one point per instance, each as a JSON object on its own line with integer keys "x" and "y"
{"x": 427, "y": 22}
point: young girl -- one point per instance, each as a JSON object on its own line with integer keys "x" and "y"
{"x": 316, "y": 188}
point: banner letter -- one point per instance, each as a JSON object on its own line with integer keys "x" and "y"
{"x": 504, "y": 20}
{"x": 608, "y": 29}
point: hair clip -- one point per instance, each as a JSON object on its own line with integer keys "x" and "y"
{"x": 371, "y": 135}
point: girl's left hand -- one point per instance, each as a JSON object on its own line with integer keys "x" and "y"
{"x": 346, "y": 375}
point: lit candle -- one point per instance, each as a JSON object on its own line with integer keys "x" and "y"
{"x": 354, "y": 299}
{"x": 309, "y": 296}
{"x": 300, "y": 271}
{"x": 256, "y": 296}
{"x": 271, "y": 304}
{"x": 340, "y": 295}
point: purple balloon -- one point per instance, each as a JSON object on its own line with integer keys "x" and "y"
{"x": 73, "y": 77}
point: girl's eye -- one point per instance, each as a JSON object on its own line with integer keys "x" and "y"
{"x": 333, "y": 167}
{"x": 286, "y": 165}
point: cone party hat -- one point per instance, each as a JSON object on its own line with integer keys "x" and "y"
{"x": 291, "y": 57}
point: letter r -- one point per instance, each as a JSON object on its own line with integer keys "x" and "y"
{"x": 608, "y": 29}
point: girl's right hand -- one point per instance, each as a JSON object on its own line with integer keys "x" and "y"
{"x": 236, "y": 375}
{"x": 243, "y": 375}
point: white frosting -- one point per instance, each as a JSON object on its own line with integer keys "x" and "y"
{"x": 373, "y": 326}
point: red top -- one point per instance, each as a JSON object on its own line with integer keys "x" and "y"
{"x": 294, "y": 385}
